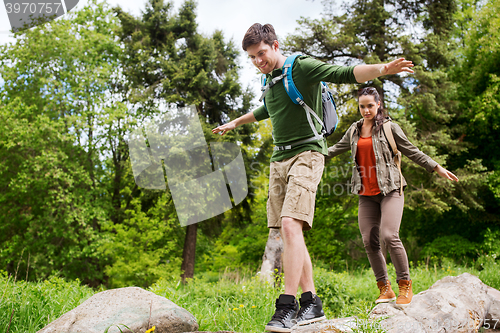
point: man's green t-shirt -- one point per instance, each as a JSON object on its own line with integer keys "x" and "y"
{"x": 289, "y": 120}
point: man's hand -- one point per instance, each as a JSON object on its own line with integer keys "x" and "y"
{"x": 245, "y": 119}
{"x": 224, "y": 128}
{"x": 397, "y": 66}
{"x": 365, "y": 73}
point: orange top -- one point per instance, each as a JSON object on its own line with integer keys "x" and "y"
{"x": 365, "y": 156}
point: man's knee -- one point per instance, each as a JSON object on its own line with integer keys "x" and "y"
{"x": 291, "y": 227}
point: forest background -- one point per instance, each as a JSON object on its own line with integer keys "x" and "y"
{"x": 75, "y": 88}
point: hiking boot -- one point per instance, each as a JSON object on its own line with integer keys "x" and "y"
{"x": 405, "y": 293}
{"x": 386, "y": 292}
{"x": 311, "y": 309}
{"x": 285, "y": 316}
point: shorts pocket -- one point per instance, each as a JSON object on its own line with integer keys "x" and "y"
{"x": 304, "y": 205}
{"x": 299, "y": 200}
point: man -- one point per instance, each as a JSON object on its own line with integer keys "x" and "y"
{"x": 296, "y": 171}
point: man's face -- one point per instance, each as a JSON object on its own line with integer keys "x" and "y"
{"x": 264, "y": 57}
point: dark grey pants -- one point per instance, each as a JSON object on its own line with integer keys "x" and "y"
{"x": 380, "y": 216}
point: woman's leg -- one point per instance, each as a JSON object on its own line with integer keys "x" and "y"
{"x": 391, "y": 213}
{"x": 369, "y": 226}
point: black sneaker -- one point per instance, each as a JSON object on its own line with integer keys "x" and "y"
{"x": 284, "y": 318}
{"x": 311, "y": 309}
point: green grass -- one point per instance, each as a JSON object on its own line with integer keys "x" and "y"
{"x": 227, "y": 302}
{"x": 34, "y": 305}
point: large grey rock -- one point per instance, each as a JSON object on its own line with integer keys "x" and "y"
{"x": 453, "y": 304}
{"x": 329, "y": 326}
{"x": 133, "y": 307}
{"x": 494, "y": 312}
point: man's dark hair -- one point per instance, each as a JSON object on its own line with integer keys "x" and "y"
{"x": 258, "y": 33}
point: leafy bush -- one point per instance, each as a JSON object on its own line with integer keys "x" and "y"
{"x": 489, "y": 269}
{"x": 453, "y": 246}
{"x": 143, "y": 248}
{"x": 491, "y": 242}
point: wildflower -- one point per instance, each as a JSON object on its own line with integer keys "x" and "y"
{"x": 242, "y": 306}
{"x": 152, "y": 329}
{"x": 253, "y": 306}
{"x": 235, "y": 309}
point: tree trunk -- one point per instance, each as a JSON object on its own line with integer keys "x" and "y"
{"x": 272, "y": 260}
{"x": 189, "y": 252}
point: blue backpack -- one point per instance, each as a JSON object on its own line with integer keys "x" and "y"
{"x": 330, "y": 117}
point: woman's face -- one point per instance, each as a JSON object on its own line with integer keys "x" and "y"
{"x": 368, "y": 107}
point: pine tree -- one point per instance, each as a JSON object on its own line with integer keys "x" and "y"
{"x": 169, "y": 61}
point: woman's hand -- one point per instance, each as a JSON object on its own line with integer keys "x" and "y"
{"x": 445, "y": 173}
{"x": 224, "y": 128}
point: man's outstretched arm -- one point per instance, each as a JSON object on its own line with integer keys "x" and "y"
{"x": 365, "y": 73}
{"x": 245, "y": 119}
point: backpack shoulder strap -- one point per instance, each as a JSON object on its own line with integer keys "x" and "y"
{"x": 264, "y": 89}
{"x": 397, "y": 154}
{"x": 296, "y": 96}
{"x": 290, "y": 87}
{"x": 390, "y": 137}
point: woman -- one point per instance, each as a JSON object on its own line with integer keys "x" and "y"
{"x": 377, "y": 181}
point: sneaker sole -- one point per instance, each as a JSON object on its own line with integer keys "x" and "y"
{"x": 385, "y": 300}
{"x": 310, "y": 321}
{"x": 278, "y": 329}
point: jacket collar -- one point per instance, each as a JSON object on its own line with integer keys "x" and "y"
{"x": 360, "y": 122}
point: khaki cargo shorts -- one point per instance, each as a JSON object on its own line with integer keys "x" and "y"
{"x": 292, "y": 188}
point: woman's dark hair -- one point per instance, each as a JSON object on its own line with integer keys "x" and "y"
{"x": 380, "y": 116}
{"x": 258, "y": 33}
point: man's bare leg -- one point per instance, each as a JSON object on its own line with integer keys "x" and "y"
{"x": 306, "y": 280}
{"x": 298, "y": 270}
{"x": 296, "y": 260}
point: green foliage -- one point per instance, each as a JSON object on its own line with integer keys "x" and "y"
{"x": 142, "y": 247}
{"x": 491, "y": 243}
{"x": 56, "y": 77}
{"x": 168, "y": 62}
{"x": 453, "y": 246}
{"x": 479, "y": 65}
{"x": 488, "y": 265}
{"x": 236, "y": 248}
{"x": 35, "y": 305}
{"x": 74, "y": 89}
